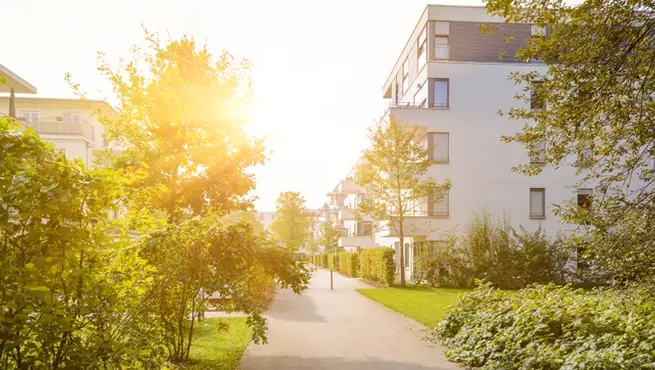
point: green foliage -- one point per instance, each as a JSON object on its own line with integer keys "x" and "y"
{"x": 551, "y": 327}
{"x": 292, "y": 220}
{"x": 227, "y": 259}
{"x": 393, "y": 172}
{"x": 377, "y": 264}
{"x": 491, "y": 249}
{"x": 349, "y": 263}
{"x": 180, "y": 122}
{"x": 333, "y": 261}
{"x": 72, "y": 285}
{"x": 598, "y": 101}
{"x": 329, "y": 238}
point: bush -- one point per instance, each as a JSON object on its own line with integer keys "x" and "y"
{"x": 377, "y": 264}
{"x": 332, "y": 261}
{"x": 491, "y": 249}
{"x": 349, "y": 263}
{"x": 551, "y": 327}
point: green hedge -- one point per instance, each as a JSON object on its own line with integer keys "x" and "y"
{"x": 349, "y": 263}
{"x": 551, "y": 327}
{"x": 377, "y": 264}
{"x": 332, "y": 261}
{"x": 320, "y": 260}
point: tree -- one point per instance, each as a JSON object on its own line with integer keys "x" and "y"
{"x": 72, "y": 285}
{"x": 179, "y": 120}
{"x": 292, "y": 220}
{"x": 329, "y": 236}
{"x": 393, "y": 172}
{"x": 597, "y": 113}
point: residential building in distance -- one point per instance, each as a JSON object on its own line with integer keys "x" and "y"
{"x": 71, "y": 125}
{"x": 450, "y": 83}
{"x": 343, "y": 200}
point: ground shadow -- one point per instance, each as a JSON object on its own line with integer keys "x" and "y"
{"x": 294, "y": 362}
{"x": 293, "y": 307}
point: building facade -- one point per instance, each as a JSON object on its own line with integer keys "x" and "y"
{"x": 450, "y": 82}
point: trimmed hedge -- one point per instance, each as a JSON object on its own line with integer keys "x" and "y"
{"x": 320, "y": 260}
{"x": 332, "y": 261}
{"x": 551, "y": 327}
{"x": 349, "y": 263}
{"x": 377, "y": 264}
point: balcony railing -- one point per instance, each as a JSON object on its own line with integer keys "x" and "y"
{"x": 82, "y": 128}
{"x": 425, "y": 105}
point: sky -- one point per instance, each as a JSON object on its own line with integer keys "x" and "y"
{"x": 319, "y": 67}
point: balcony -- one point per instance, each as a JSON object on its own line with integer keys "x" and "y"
{"x": 349, "y": 186}
{"x": 362, "y": 242}
{"x": 420, "y": 224}
{"x": 81, "y": 128}
{"x": 347, "y": 214}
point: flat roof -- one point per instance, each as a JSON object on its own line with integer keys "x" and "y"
{"x": 13, "y": 80}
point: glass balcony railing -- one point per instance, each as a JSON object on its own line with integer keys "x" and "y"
{"x": 81, "y": 127}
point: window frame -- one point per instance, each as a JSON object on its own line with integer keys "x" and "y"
{"x": 586, "y": 193}
{"x": 539, "y": 159}
{"x": 433, "y": 147}
{"x": 543, "y": 204}
{"x": 433, "y": 212}
{"x": 447, "y": 48}
{"x": 432, "y": 95}
{"x": 423, "y": 103}
{"x": 422, "y": 48}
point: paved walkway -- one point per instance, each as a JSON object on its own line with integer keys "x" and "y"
{"x": 340, "y": 329}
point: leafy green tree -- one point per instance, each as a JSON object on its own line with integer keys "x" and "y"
{"x": 179, "y": 121}
{"x": 292, "y": 220}
{"x": 329, "y": 236}
{"x": 229, "y": 259}
{"x": 72, "y": 285}
{"x": 393, "y": 172}
{"x": 597, "y": 112}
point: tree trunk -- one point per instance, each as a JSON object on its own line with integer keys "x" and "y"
{"x": 402, "y": 256}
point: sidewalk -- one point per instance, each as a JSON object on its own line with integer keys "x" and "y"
{"x": 340, "y": 329}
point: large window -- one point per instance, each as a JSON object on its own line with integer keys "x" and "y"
{"x": 31, "y": 116}
{"x": 441, "y": 47}
{"x": 441, "y": 208}
{"x": 421, "y": 96}
{"x": 538, "y": 203}
{"x": 440, "y": 93}
{"x": 405, "y": 76}
{"x": 71, "y": 117}
{"x": 422, "y": 46}
{"x": 440, "y": 147}
{"x": 584, "y": 198}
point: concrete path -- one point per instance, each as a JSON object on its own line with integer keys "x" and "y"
{"x": 340, "y": 329}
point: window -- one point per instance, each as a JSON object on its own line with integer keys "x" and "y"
{"x": 405, "y": 76}
{"x": 439, "y": 146}
{"x": 441, "y": 47}
{"x": 536, "y": 101}
{"x": 71, "y": 117}
{"x": 261, "y": 218}
{"x": 584, "y": 198}
{"x": 364, "y": 228}
{"x": 30, "y": 116}
{"x": 539, "y": 153}
{"x": 440, "y": 92}
{"x": 442, "y": 207}
{"x": 538, "y": 203}
{"x": 421, "y": 96}
{"x": 422, "y": 46}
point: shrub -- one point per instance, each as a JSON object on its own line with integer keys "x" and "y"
{"x": 551, "y": 327}
{"x": 348, "y": 263}
{"x": 377, "y": 264}
{"x": 324, "y": 260}
{"x": 70, "y": 294}
{"x": 490, "y": 249}
{"x": 332, "y": 261}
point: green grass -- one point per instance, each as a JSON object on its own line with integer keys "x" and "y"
{"x": 214, "y": 349}
{"x": 425, "y": 305}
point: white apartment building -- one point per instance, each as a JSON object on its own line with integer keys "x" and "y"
{"x": 450, "y": 82}
{"x": 356, "y": 232}
{"x": 71, "y": 125}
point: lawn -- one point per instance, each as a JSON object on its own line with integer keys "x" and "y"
{"x": 425, "y": 305}
{"x": 214, "y": 349}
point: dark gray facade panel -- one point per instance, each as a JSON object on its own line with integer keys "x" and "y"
{"x": 469, "y": 44}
